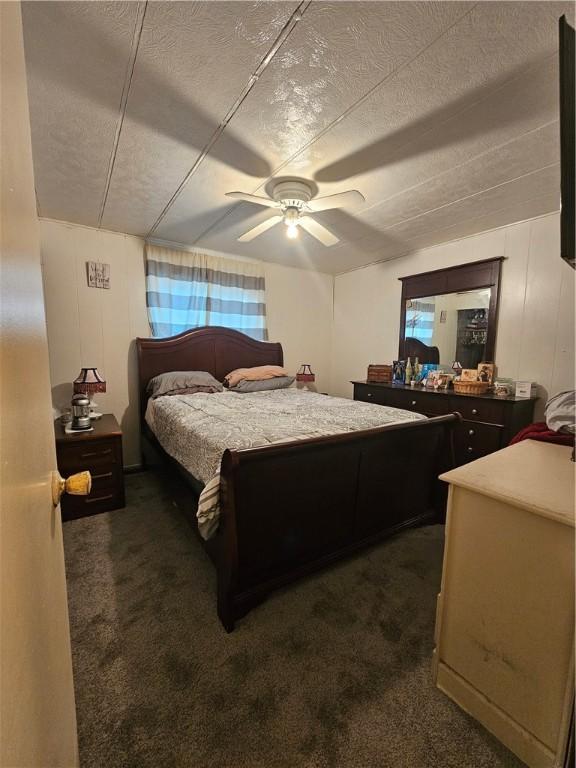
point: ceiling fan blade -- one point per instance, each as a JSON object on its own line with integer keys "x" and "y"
{"x": 252, "y": 233}
{"x": 340, "y": 200}
{"x": 253, "y": 199}
{"x": 318, "y": 231}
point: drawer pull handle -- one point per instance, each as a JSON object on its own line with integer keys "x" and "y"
{"x": 369, "y": 394}
{"x": 99, "y": 477}
{"x": 100, "y": 498}
{"x": 470, "y": 449}
{"x": 96, "y": 453}
{"x": 413, "y": 402}
{"x": 470, "y": 432}
{"x": 474, "y": 412}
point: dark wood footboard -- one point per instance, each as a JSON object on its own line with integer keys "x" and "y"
{"x": 292, "y": 508}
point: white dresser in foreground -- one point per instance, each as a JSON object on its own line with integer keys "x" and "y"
{"x": 505, "y": 617}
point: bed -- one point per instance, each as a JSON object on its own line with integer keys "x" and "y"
{"x": 299, "y": 500}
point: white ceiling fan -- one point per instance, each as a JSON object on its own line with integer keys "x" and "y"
{"x": 294, "y": 198}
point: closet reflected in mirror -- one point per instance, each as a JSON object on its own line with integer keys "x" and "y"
{"x": 454, "y": 326}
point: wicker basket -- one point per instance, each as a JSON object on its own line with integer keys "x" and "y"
{"x": 471, "y": 387}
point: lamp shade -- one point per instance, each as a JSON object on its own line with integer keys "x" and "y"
{"x": 305, "y": 373}
{"x": 89, "y": 381}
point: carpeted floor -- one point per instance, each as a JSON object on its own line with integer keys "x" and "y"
{"x": 333, "y": 672}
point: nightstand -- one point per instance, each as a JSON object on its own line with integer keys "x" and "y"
{"x": 99, "y": 452}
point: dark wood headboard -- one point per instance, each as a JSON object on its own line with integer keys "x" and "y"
{"x": 211, "y": 348}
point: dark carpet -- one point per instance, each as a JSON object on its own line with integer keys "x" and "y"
{"x": 332, "y": 672}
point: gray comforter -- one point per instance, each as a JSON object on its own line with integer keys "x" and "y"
{"x": 196, "y": 429}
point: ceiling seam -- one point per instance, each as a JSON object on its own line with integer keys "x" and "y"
{"x": 488, "y": 151}
{"x": 461, "y": 165}
{"x": 456, "y": 239}
{"x": 366, "y": 96}
{"x": 134, "y": 46}
{"x": 468, "y": 197}
{"x": 342, "y": 116}
{"x": 280, "y": 39}
{"x": 460, "y": 200}
{"x": 481, "y": 216}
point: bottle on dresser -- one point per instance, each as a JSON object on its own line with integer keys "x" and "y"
{"x": 409, "y": 372}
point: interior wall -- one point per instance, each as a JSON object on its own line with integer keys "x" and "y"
{"x": 535, "y": 338}
{"x": 337, "y": 325}
{"x": 92, "y": 326}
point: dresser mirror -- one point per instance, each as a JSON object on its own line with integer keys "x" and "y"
{"x": 450, "y": 314}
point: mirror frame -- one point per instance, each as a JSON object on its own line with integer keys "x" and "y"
{"x": 465, "y": 277}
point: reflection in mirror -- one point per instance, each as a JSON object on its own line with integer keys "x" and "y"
{"x": 449, "y": 327}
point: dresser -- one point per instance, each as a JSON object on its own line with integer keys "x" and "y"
{"x": 489, "y": 422}
{"x": 505, "y": 615}
{"x": 100, "y": 452}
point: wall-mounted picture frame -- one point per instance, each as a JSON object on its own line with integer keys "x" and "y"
{"x": 98, "y": 274}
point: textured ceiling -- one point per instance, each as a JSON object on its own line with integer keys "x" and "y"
{"x": 443, "y": 114}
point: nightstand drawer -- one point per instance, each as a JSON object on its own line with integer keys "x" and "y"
{"x": 99, "y": 500}
{"x": 104, "y": 478}
{"x": 96, "y": 456}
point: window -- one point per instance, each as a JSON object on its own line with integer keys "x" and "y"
{"x": 420, "y": 320}
{"x": 187, "y": 290}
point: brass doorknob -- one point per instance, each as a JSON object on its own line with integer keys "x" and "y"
{"x": 79, "y": 484}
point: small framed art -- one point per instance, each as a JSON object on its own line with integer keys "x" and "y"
{"x": 98, "y": 274}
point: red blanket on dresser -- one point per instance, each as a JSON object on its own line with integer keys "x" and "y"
{"x": 540, "y": 431}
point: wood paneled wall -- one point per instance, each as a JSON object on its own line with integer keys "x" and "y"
{"x": 338, "y": 334}
{"x": 91, "y": 326}
{"x": 535, "y": 339}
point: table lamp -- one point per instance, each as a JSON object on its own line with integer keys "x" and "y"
{"x": 305, "y": 374}
{"x": 305, "y": 378}
{"x": 88, "y": 382}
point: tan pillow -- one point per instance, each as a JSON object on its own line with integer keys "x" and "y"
{"x": 258, "y": 373}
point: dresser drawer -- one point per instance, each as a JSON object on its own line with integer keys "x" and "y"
{"x": 409, "y": 400}
{"x": 96, "y": 456}
{"x": 472, "y": 409}
{"x": 473, "y": 440}
{"x": 417, "y": 400}
{"x": 429, "y": 403}
{"x": 367, "y": 394}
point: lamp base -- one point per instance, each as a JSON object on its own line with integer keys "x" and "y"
{"x": 94, "y": 412}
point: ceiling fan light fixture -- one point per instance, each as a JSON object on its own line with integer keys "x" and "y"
{"x": 294, "y": 198}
